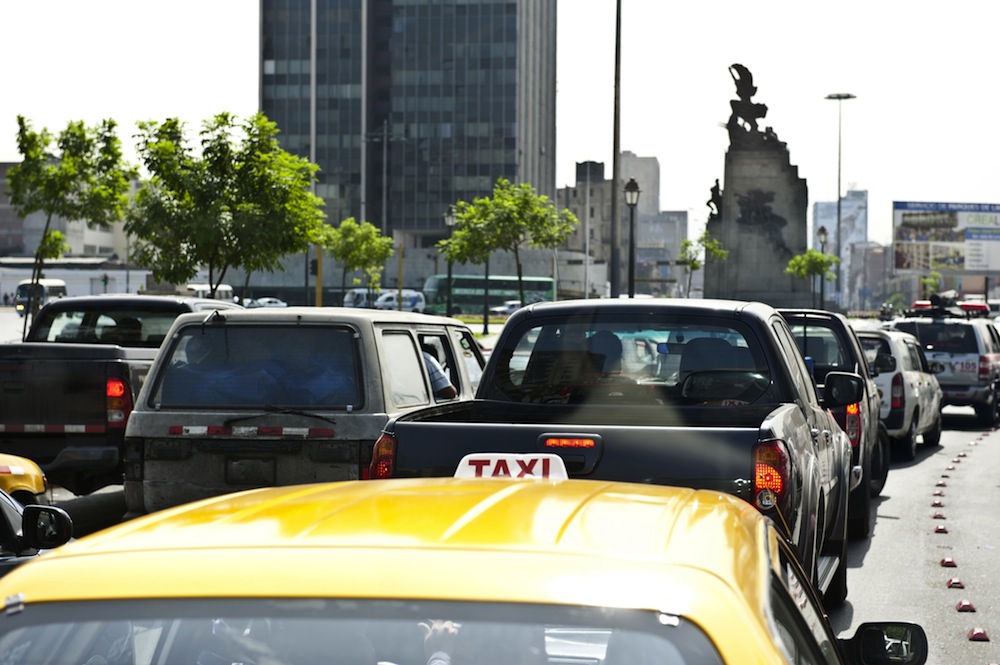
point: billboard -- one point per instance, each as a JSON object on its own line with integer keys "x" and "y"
{"x": 946, "y": 237}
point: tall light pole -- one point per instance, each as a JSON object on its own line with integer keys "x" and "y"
{"x": 821, "y": 234}
{"x": 839, "y": 97}
{"x": 449, "y": 221}
{"x": 631, "y": 200}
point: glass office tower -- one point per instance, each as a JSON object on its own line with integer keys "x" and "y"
{"x": 411, "y": 105}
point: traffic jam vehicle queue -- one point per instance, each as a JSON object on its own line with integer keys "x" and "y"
{"x": 512, "y": 563}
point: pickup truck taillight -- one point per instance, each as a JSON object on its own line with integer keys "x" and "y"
{"x": 383, "y": 458}
{"x": 984, "y": 369}
{"x": 898, "y": 396}
{"x": 119, "y": 402}
{"x": 853, "y": 424}
{"x": 771, "y": 473}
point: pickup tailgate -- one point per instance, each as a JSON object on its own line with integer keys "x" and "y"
{"x": 706, "y": 457}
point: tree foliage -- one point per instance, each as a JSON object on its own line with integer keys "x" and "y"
{"x": 81, "y": 177}
{"x": 242, "y": 201}
{"x": 930, "y": 283}
{"x": 812, "y": 264}
{"x": 359, "y": 247}
{"x": 691, "y": 252}
{"x": 514, "y": 217}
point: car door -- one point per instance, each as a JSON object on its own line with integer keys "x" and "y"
{"x": 930, "y": 397}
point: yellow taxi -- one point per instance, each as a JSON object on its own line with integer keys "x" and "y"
{"x": 511, "y": 564}
{"x": 21, "y": 478}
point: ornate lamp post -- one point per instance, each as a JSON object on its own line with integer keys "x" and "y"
{"x": 839, "y": 97}
{"x": 631, "y": 200}
{"x": 449, "y": 221}
{"x": 821, "y": 234}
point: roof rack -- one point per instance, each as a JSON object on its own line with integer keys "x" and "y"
{"x": 939, "y": 313}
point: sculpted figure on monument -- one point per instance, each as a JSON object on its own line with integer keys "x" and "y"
{"x": 715, "y": 203}
{"x": 742, "y": 123}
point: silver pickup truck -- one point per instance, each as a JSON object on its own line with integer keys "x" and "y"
{"x": 262, "y": 397}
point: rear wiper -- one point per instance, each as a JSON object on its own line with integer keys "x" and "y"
{"x": 270, "y": 408}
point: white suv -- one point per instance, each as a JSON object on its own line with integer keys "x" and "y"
{"x": 911, "y": 394}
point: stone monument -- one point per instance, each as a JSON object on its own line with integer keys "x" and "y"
{"x": 760, "y": 214}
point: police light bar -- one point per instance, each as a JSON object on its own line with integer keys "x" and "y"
{"x": 529, "y": 466}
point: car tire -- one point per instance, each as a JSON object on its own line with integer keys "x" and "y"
{"x": 932, "y": 437}
{"x": 907, "y": 444}
{"x": 881, "y": 460}
{"x": 859, "y": 519}
{"x": 987, "y": 413}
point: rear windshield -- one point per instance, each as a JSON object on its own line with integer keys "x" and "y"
{"x": 874, "y": 346}
{"x": 677, "y": 360}
{"x": 134, "y": 326}
{"x": 315, "y": 631}
{"x": 946, "y": 337}
{"x": 257, "y": 365}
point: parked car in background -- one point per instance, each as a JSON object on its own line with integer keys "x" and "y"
{"x": 506, "y": 309}
{"x": 22, "y": 479}
{"x": 404, "y": 300}
{"x": 281, "y": 396}
{"x": 829, "y": 343}
{"x": 969, "y": 350}
{"x": 265, "y": 302}
{"x": 911, "y": 393}
{"x": 361, "y": 297}
{"x": 497, "y": 571}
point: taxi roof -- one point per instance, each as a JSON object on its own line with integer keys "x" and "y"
{"x": 677, "y": 550}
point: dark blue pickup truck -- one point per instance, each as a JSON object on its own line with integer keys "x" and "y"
{"x": 704, "y": 393}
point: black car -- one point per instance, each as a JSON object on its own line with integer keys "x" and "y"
{"x": 829, "y": 344}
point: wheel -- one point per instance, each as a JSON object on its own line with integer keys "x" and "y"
{"x": 907, "y": 444}
{"x": 859, "y": 519}
{"x": 932, "y": 437}
{"x": 881, "y": 455}
{"x": 987, "y": 413}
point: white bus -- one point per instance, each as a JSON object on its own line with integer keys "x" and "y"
{"x": 32, "y": 296}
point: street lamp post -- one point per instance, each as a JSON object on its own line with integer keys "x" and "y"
{"x": 821, "y": 234}
{"x": 631, "y": 200}
{"x": 839, "y": 97}
{"x": 449, "y": 221}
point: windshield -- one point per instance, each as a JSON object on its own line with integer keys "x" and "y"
{"x": 307, "y": 632}
{"x": 134, "y": 326}
{"x": 251, "y": 366}
{"x": 679, "y": 360}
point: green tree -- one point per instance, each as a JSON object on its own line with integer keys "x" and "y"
{"x": 930, "y": 284}
{"x": 81, "y": 177}
{"x": 359, "y": 247}
{"x": 691, "y": 252}
{"x": 514, "y": 217}
{"x": 243, "y": 201}
{"x": 811, "y": 264}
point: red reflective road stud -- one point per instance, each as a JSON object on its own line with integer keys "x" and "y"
{"x": 955, "y": 583}
{"x": 940, "y": 528}
{"x": 937, "y": 503}
{"x": 950, "y": 467}
{"x": 941, "y": 483}
{"x": 961, "y": 455}
{"x": 939, "y": 516}
{"x": 948, "y": 562}
{"x": 955, "y": 460}
{"x": 938, "y": 493}
{"x": 978, "y": 635}
{"x": 965, "y": 606}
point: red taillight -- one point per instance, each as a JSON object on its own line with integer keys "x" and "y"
{"x": 383, "y": 458}
{"x": 984, "y": 369}
{"x": 771, "y": 474}
{"x": 897, "y": 394}
{"x": 853, "y": 424}
{"x": 118, "y": 400}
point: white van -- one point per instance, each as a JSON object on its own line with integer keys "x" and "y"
{"x": 412, "y": 301}
{"x": 33, "y": 295}
{"x": 359, "y": 297}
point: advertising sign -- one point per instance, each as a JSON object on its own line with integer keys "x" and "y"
{"x": 946, "y": 237}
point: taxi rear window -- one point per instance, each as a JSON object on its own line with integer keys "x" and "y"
{"x": 252, "y": 366}
{"x": 307, "y": 631}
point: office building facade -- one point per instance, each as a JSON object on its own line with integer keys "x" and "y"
{"x": 408, "y": 106}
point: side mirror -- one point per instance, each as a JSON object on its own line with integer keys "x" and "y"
{"x": 885, "y": 363}
{"x": 45, "y": 527}
{"x": 842, "y": 388}
{"x": 887, "y": 642}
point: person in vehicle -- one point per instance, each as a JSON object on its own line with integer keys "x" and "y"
{"x": 440, "y": 383}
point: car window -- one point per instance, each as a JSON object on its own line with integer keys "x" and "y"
{"x": 251, "y": 366}
{"x": 673, "y": 360}
{"x": 994, "y": 338}
{"x": 799, "y": 372}
{"x": 404, "y": 369}
{"x": 915, "y": 358}
{"x": 874, "y": 346}
{"x": 137, "y": 327}
{"x": 355, "y": 632}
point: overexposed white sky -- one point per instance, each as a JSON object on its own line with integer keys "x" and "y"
{"x": 921, "y": 128}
